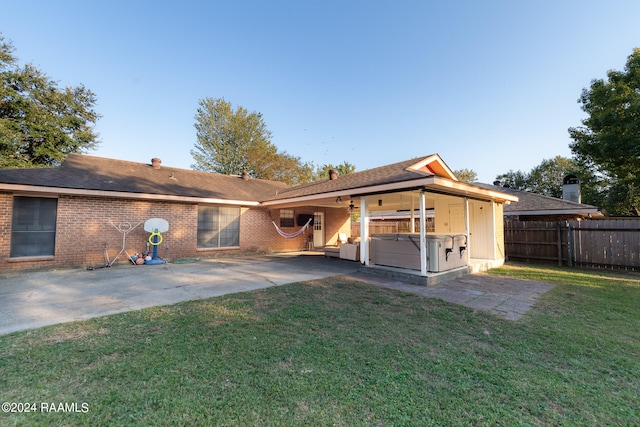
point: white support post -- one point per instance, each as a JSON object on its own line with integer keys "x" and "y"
{"x": 494, "y": 241}
{"x": 413, "y": 216}
{"x": 423, "y": 235}
{"x": 365, "y": 240}
{"x": 467, "y": 230}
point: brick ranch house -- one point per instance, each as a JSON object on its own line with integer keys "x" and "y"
{"x": 71, "y": 214}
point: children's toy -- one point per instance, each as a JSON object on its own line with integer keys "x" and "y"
{"x": 124, "y": 228}
{"x": 155, "y": 226}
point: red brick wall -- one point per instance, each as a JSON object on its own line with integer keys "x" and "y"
{"x": 6, "y": 208}
{"x": 254, "y": 232}
{"x": 86, "y": 225}
{"x": 84, "y": 229}
{"x": 337, "y": 220}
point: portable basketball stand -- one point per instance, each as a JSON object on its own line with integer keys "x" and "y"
{"x": 155, "y": 226}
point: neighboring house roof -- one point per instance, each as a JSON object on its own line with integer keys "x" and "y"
{"x": 90, "y": 175}
{"x": 423, "y": 172}
{"x": 538, "y": 204}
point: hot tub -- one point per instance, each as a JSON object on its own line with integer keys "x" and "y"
{"x": 444, "y": 251}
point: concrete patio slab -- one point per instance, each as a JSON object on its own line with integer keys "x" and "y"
{"x": 505, "y": 297}
{"x": 39, "y": 298}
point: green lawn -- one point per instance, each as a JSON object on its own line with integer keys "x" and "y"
{"x": 335, "y": 352}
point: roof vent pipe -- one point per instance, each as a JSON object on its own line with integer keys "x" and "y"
{"x": 155, "y": 163}
{"x": 497, "y": 183}
{"x": 245, "y": 175}
{"x": 333, "y": 175}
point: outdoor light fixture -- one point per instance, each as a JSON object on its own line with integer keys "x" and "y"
{"x": 338, "y": 199}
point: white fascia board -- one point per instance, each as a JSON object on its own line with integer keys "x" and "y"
{"x": 455, "y": 188}
{"x": 31, "y": 189}
{"x": 417, "y": 167}
{"x": 352, "y": 192}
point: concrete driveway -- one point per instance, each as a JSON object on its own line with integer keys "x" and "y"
{"x": 35, "y": 299}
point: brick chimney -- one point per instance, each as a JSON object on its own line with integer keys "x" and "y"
{"x": 155, "y": 163}
{"x": 571, "y": 188}
{"x": 333, "y": 175}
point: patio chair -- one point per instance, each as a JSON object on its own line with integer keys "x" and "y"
{"x": 334, "y": 251}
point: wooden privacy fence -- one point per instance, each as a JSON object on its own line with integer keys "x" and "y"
{"x": 375, "y": 228}
{"x": 604, "y": 243}
{"x": 388, "y": 227}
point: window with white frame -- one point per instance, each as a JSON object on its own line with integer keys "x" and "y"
{"x": 218, "y": 226}
{"x": 33, "y": 226}
{"x": 286, "y": 218}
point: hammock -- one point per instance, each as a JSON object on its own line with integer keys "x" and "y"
{"x": 294, "y": 234}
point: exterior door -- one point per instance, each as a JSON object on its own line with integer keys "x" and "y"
{"x": 456, "y": 218}
{"x": 318, "y": 229}
{"x": 482, "y": 233}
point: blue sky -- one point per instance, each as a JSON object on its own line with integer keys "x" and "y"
{"x": 489, "y": 85}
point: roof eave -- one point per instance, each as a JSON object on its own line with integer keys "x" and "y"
{"x": 34, "y": 189}
{"x": 435, "y": 183}
{"x": 468, "y": 190}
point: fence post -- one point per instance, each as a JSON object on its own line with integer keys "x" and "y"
{"x": 559, "y": 243}
{"x": 571, "y": 243}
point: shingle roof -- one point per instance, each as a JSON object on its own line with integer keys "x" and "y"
{"x": 396, "y": 172}
{"x": 532, "y": 202}
{"x": 84, "y": 172}
{"x": 90, "y": 173}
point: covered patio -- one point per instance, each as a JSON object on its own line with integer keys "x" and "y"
{"x": 466, "y": 220}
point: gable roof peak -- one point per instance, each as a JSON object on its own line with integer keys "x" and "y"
{"x": 433, "y": 165}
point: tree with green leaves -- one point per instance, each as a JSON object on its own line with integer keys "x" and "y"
{"x": 609, "y": 139}
{"x": 547, "y": 179}
{"x": 231, "y": 141}
{"x": 40, "y": 124}
{"x": 322, "y": 172}
{"x": 466, "y": 175}
{"x": 517, "y": 180}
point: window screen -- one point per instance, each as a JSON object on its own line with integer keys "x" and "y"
{"x": 218, "y": 227}
{"x": 33, "y": 226}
